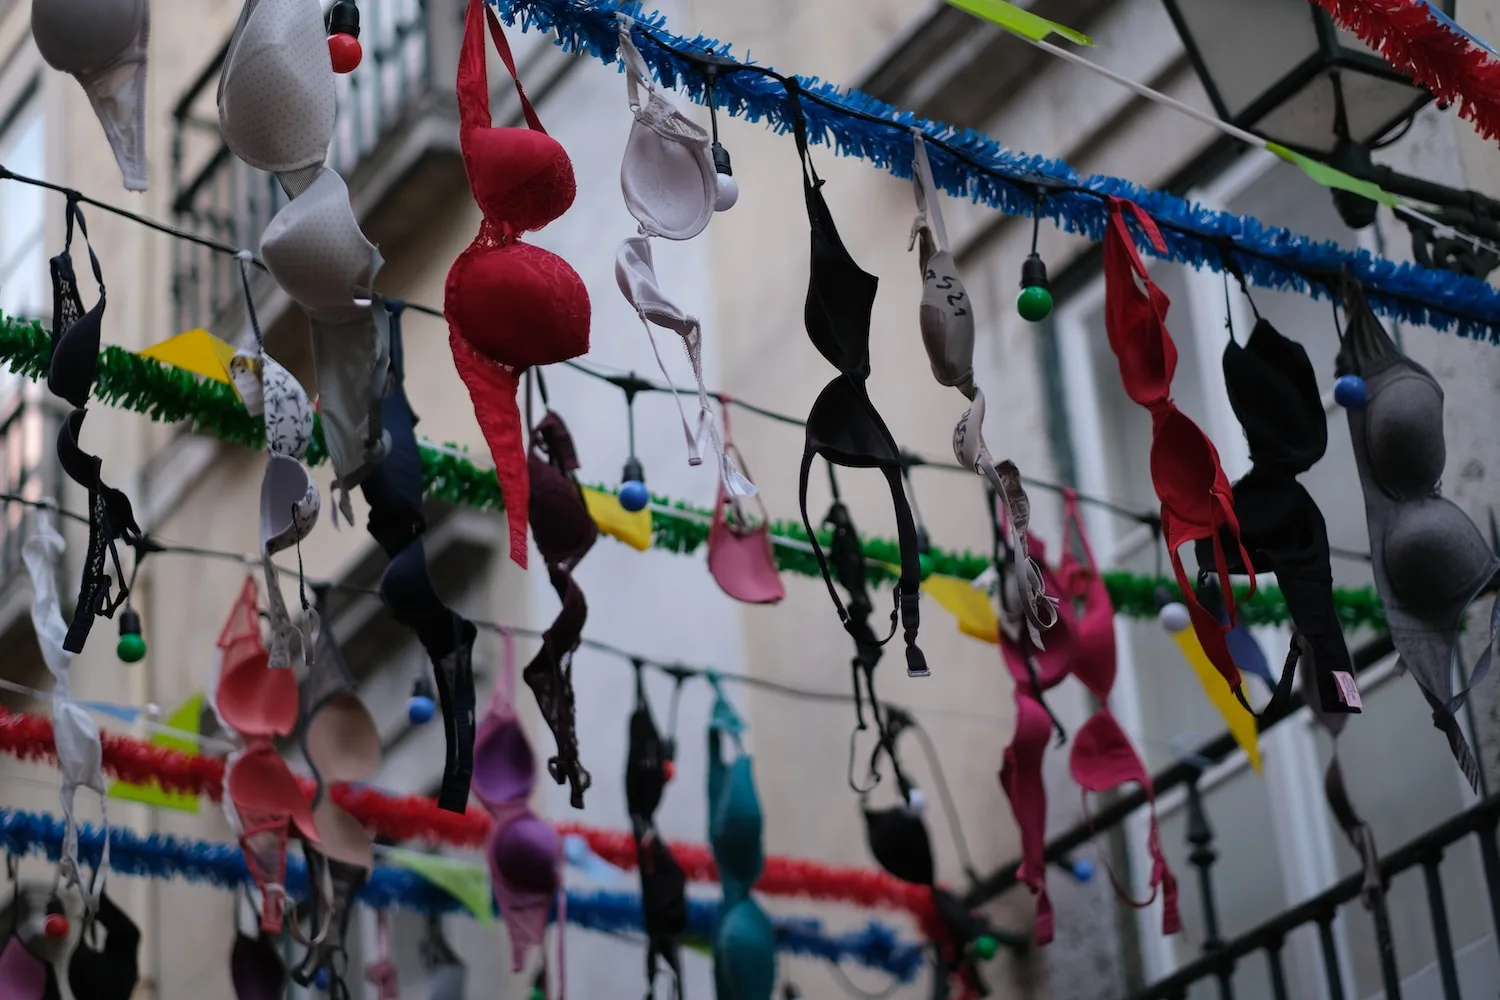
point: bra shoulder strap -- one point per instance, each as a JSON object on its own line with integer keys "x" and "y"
{"x": 473, "y": 78}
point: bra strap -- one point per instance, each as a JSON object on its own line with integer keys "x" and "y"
{"x": 930, "y": 212}
{"x": 810, "y": 177}
{"x": 473, "y": 79}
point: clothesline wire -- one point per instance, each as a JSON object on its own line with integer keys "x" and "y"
{"x": 630, "y": 382}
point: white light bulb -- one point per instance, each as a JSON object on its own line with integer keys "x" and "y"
{"x": 729, "y": 193}
{"x": 1174, "y": 617}
{"x": 916, "y": 802}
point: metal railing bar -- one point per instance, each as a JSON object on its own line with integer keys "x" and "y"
{"x": 1385, "y": 946}
{"x": 1442, "y": 937}
{"x": 1058, "y": 849}
{"x": 1489, "y": 856}
{"x": 1479, "y": 820}
{"x": 1277, "y": 973}
{"x": 1330, "y": 957}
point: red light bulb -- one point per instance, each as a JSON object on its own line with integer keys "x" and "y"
{"x": 345, "y": 51}
{"x": 669, "y": 769}
{"x": 55, "y": 926}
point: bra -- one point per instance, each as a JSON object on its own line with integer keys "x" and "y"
{"x": 564, "y": 534}
{"x": 103, "y": 44}
{"x": 24, "y": 975}
{"x": 744, "y": 942}
{"x": 740, "y": 557}
{"x": 279, "y": 47}
{"x": 843, "y": 425}
{"x": 1429, "y": 559}
{"x": 946, "y": 319}
{"x": 1103, "y": 758}
{"x": 1196, "y": 498}
{"x": 263, "y": 801}
{"x": 663, "y": 883}
{"x": 1274, "y": 393}
{"x": 315, "y": 250}
{"x": 256, "y": 969}
{"x": 340, "y": 744}
{"x": 80, "y": 754}
{"x": 509, "y": 305}
{"x": 524, "y": 851}
{"x": 76, "y": 336}
{"x": 111, "y": 972}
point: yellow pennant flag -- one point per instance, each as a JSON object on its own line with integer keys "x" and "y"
{"x": 1329, "y": 177}
{"x": 186, "y": 719}
{"x": 1020, "y": 22}
{"x": 465, "y": 881}
{"x": 966, "y": 602}
{"x": 632, "y": 529}
{"x": 1241, "y": 722}
{"x": 196, "y": 351}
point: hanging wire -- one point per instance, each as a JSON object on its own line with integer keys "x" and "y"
{"x": 630, "y": 382}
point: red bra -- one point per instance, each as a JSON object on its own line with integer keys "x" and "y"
{"x": 509, "y": 305}
{"x": 1196, "y": 499}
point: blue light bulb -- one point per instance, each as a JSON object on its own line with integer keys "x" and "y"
{"x": 634, "y": 496}
{"x": 1349, "y": 391}
{"x": 1083, "y": 869}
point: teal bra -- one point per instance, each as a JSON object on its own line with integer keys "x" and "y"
{"x": 744, "y": 940}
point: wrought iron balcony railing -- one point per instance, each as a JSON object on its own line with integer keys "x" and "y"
{"x": 216, "y": 194}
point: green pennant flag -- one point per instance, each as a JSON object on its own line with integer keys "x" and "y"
{"x": 185, "y": 718}
{"x": 1330, "y": 177}
{"x": 1020, "y": 22}
{"x": 465, "y": 881}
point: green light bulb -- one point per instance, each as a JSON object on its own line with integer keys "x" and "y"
{"x": 537, "y": 993}
{"x": 1034, "y": 303}
{"x": 925, "y": 562}
{"x": 985, "y": 946}
{"x": 131, "y": 648}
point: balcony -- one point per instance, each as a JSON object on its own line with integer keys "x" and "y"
{"x": 396, "y": 144}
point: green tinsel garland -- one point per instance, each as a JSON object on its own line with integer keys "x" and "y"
{"x": 171, "y": 395}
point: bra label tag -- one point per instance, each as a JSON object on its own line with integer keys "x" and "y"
{"x": 1348, "y": 693}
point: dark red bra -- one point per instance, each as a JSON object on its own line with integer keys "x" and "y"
{"x": 1196, "y": 499}
{"x": 509, "y": 305}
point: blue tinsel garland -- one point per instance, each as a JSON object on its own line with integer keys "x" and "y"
{"x": 223, "y": 865}
{"x": 1269, "y": 256}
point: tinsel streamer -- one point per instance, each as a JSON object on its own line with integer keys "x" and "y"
{"x": 171, "y": 395}
{"x": 1269, "y": 256}
{"x": 223, "y": 866}
{"x": 1409, "y": 37}
{"x": 414, "y": 818}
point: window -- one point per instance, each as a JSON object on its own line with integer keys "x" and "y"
{"x": 1276, "y": 843}
{"x": 23, "y": 253}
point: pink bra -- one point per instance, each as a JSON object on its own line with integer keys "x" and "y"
{"x": 1083, "y": 644}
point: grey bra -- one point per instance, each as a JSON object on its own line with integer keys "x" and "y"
{"x": 1429, "y": 558}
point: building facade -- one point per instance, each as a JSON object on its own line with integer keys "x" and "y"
{"x": 1056, "y": 408}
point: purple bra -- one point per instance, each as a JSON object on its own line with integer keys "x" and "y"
{"x": 524, "y": 851}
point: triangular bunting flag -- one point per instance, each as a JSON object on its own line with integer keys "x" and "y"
{"x": 185, "y": 718}
{"x": 632, "y": 529}
{"x": 196, "y": 351}
{"x": 466, "y": 881}
{"x": 1329, "y": 177}
{"x": 1020, "y": 22}
{"x": 966, "y": 602}
{"x": 1241, "y": 723}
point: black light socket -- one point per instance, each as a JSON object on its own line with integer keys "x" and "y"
{"x": 343, "y": 19}
{"x": 1034, "y": 272}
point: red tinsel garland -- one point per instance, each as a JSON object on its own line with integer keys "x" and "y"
{"x": 412, "y": 817}
{"x": 1409, "y": 38}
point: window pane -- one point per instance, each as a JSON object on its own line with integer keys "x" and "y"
{"x": 23, "y": 256}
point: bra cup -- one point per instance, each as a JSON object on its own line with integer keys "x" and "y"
{"x": 525, "y": 852}
{"x": 81, "y": 36}
{"x": 527, "y": 178}
{"x": 667, "y": 175}
{"x": 254, "y": 697}
{"x": 316, "y": 251}
{"x": 509, "y": 306}
{"x": 946, "y": 321}
{"x": 1179, "y": 445}
{"x": 635, "y": 274}
{"x": 738, "y": 825}
{"x": 839, "y": 307}
{"x": 561, "y": 524}
{"x": 898, "y": 839}
{"x": 745, "y": 953}
{"x": 276, "y": 91}
{"x": 1435, "y": 559}
{"x": 24, "y": 975}
{"x": 1274, "y": 394}
{"x": 344, "y": 838}
{"x": 835, "y": 430}
{"x": 504, "y": 764}
{"x": 289, "y": 504}
{"x": 743, "y": 565}
{"x": 288, "y": 411}
{"x": 256, "y": 969}
{"x": 259, "y": 782}
{"x": 1404, "y": 435}
{"x": 75, "y": 360}
{"x": 342, "y": 739}
{"x": 1102, "y": 757}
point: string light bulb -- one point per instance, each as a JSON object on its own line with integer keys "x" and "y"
{"x": 132, "y": 646}
{"x": 343, "y": 37}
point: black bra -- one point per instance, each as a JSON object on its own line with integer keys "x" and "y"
{"x": 843, "y": 425}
